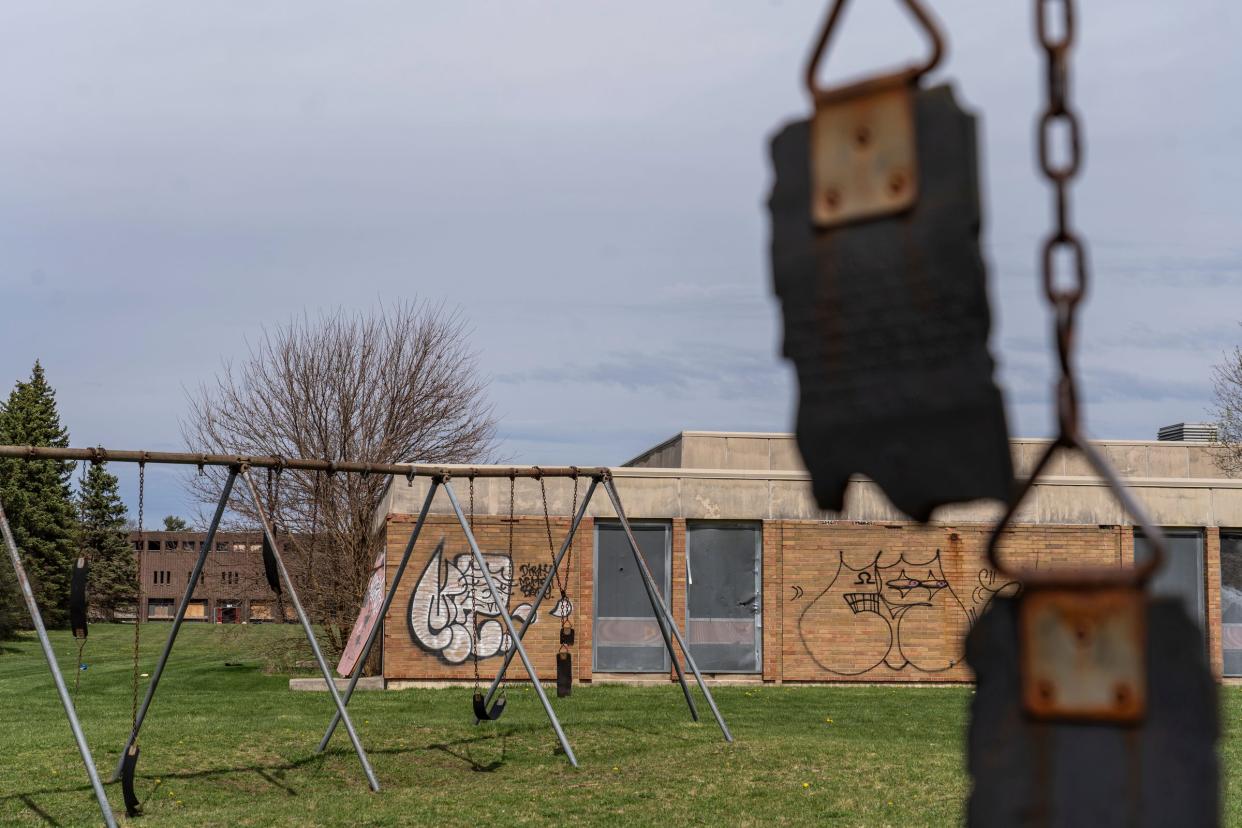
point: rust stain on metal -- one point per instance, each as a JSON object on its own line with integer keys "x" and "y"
{"x": 1083, "y": 653}
{"x": 863, "y": 154}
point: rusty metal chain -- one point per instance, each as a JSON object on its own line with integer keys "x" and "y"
{"x": 512, "y": 486}
{"x": 569, "y": 556}
{"x": 142, "y": 546}
{"x": 1060, "y": 174}
{"x": 275, "y": 508}
{"x": 474, "y": 606}
{"x": 77, "y": 674}
{"x": 547, "y": 525}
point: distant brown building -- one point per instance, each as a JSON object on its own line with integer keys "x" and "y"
{"x": 232, "y": 588}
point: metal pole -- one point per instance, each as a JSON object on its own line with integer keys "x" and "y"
{"x": 642, "y": 565}
{"x": 177, "y": 619}
{"x": 407, "y": 470}
{"x": 310, "y": 632}
{"x": 543, "y": 591}
{"x": 672, "y": 654}
{"x": 504, "y": 614}
{"x": 392, "y": 593}
{"x": 653, "y": 593}
{"x": 37, "y": 619}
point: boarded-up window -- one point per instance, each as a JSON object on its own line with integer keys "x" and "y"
{"x": 722, "y": 595}
{"x": 626, "y": 636}
{"x": 159, "y": 608}
{"x": 196, "y": 610}
{"x": 262, "y": 611}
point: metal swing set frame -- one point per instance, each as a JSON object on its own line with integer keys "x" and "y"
{"x": 440, "y": 477}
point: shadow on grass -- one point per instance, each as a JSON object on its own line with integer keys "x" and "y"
{"x": 29, "y": 802}
{"x": 466, "y": 756}
{"x": 272, "y": 773}
{"x": 264, "y": 772}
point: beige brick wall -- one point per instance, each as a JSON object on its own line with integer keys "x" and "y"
{"x": 891, "y": 602}
{"x": 842, "y": 601}
{"x": 1211, "y": 594}
{"x": 409, "y": 656}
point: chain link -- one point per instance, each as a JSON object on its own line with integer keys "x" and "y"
{"x": 142, "y": 546}
{"x": 474, "y": 607}
{"x": 569, "y": 556}
{"x": 77, "y": 674}
{"x": 547, "y": 525}
{"x": 1057, "y": 113}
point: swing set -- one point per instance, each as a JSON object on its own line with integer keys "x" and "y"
{"x": 487, "y": 706}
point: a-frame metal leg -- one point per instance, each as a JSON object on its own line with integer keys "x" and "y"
{"x": 310, "y": 633}
{"x": 513, "y": 632}
{"x": 653, "y": 596}
{"x": 392, "y": 592}
{"x": 36, "y": 618}
{"x": 659, "y": 607}
{"x": 543, "y": 591}
{"x": 208, "y": 544}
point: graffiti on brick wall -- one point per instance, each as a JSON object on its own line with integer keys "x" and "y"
{"x": 988, "y": 587}
{"x": 895, "y": 611}
{"x": 452, "y": 612}
{"x": 531, "y": 578}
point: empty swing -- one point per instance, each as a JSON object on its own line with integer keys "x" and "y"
{"x": 481, "y": 711}
{"x": 564, "y": 607}
{"x": 78, "y": 621}
{"x": 129, "y": 764}
{"x": 77, "y": 596}
{"x": 270, "y": 572}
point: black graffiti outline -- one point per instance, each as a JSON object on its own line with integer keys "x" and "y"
{"x": 531, "y": 578}
{"x": 873, "y": 602}
{"x": 985, "y": 592}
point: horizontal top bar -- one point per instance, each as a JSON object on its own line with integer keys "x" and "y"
{"x": 103, "y": 455}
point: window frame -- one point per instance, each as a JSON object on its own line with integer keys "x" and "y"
{"x": 757, "y": 527}
{"x": 667, "y": 526}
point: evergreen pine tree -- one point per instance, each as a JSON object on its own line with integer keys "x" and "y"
{"x": 12, "y": 609}
{"x": 105, "y": 543}
{"x": 36, "y": 495}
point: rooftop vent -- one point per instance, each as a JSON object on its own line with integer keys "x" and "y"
{"x": 1188, "y": 433}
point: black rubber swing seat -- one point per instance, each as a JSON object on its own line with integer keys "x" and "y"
{"x": 483, "y": 714}
{"x": 269, "y": 567}
{"x": 77, "y": 598}
{"x": 564, "y": 673}
{"x": 128, "y": 767}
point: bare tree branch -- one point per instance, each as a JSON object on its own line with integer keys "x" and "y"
{"x": 397, "y": 385}
{"x": 1227, "y": 388}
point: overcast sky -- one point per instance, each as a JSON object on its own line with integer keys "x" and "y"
{"x": 587, "y": 181}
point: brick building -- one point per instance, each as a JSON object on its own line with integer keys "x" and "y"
{"x": 770, "y": 588}
{"x": 232, "y": 587}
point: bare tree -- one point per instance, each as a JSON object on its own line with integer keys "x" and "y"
{"x": 398, "y": 385}
{"x": 1227, "y": 409}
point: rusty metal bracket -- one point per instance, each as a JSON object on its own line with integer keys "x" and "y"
{"x": 863, "y": 151}
{"x": 863, "y": 155}
{"x": 1084, "y": 653}
{"x": 1082, "y": 633}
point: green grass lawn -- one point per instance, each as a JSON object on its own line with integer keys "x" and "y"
{"x": 232, "y": 746}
